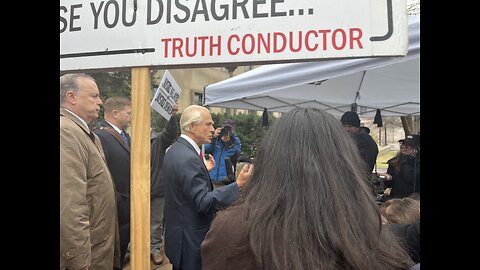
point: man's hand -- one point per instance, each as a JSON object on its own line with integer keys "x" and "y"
{"x": 245, "y": 175}
{"x": 226, "y": 138}
{"x": 175, "y": 108}
{"x": 209, "y": 163}
{"x": 386, "y": 176}
{"x": 217, "y": 132}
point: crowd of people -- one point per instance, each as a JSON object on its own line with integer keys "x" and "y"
{"x": 295, "y": 205}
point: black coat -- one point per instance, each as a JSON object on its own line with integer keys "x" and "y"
{"x": 190, "y": 204}
{"x": 117, "y": 155}
{"x": 407, "y": 180}
{"x": 159, "y": 144}
{"x": 368, "y": 149}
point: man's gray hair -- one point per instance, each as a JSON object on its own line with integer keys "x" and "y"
{"x": 68, "y": 82}
{"x": 190, "y": 115}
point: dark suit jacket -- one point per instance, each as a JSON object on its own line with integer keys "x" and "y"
{"x": 190, "y": 204}
{"x": 117, "y": 155}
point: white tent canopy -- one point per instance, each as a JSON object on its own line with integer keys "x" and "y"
{"x": 391, "y": 84}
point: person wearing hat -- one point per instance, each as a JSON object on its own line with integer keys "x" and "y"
{"x": 225, "y": 144}
{"x": 365, "y": 130}
{"x": 366, "y": 145}
{"x": 404, "y": 169}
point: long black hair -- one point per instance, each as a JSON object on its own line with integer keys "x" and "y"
{"x": 309, "y": 204}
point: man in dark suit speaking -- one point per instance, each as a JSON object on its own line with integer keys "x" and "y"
{"x": 190, "y": 200}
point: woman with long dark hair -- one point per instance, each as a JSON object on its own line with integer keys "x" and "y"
{"x": 308, "y": 206}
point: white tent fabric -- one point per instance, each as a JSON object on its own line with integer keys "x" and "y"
{"x": 391, "y": 84}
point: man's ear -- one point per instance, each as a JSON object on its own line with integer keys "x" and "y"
{"x": 70, "y": 96}
{"x": 190, "y": 127}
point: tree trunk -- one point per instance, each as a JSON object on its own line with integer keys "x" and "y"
{"x": 411, "y": 124}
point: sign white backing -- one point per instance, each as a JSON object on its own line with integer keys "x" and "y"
{"x": 166, "y": 95}
{"x": 163, "y": 33}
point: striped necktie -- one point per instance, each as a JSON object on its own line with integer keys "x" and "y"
{"x": 124, "y": 137}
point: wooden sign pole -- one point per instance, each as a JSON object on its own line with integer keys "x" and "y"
{"x": 140, "y": 170}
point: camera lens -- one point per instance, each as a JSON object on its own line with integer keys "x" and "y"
{"x": 223, "y": 131}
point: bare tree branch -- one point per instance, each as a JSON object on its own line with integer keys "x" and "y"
{"x": 413, "y": 7}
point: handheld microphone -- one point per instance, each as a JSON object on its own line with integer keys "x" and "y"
{"x": 230, "y": 178}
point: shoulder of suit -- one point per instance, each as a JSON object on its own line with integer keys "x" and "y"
{"x": 100, "y": 131}
{"x": 67, "y": 123}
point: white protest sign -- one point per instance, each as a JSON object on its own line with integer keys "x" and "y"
{"x": 174, "y": 33}
{"x": 166, "y": 95}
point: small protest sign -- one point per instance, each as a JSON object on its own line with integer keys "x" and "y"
{"x": 166, "y": 95}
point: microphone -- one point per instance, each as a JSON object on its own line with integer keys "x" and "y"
{"x": 230, "y": 178}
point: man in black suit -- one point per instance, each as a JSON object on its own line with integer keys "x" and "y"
{"x": 117, "y": 153}
{"x": 190, "y": 200}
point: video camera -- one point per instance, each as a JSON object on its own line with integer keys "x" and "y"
{"x": 224, "y": 131}
{"x": 230, "y": 178}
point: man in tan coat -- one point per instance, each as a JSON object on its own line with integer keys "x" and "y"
{"x": 88, "y": 214}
